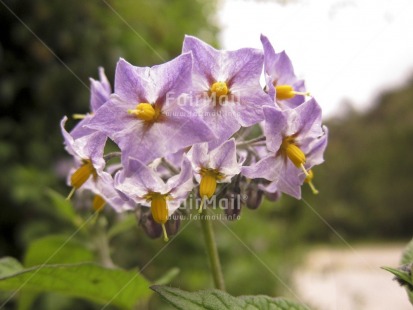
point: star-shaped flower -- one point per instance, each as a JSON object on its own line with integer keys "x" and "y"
{"x": 144, "y": 186}
{"x": 216, "y": 166}
{"x": 87, "y": 151}
{"x": 296, "y": 141}
{"x": 226, "y": 88}
{"x": 282, "y": 84}
{"x": 99, "y": 94}
{"x": 149, "y": 115}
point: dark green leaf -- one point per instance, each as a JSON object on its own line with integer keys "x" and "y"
{"x": 90, "y": 281}
{"x": 215, "y": 299}
{"x": 400, "y": 274}
{"x": 57, "y": 249}
{"x": 63, "y": 208}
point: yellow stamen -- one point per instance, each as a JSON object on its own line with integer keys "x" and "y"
{"x": 220, "y": 89}
{"x": 159, "y": 211}
{"x": 208, "y": 185}
{"x": 79, "y": 116}
{"x": 284, "y": 92}
{"x": 98, "y": 203}
{"x": 309, "y": 181}
{"x": 144, "y": 111}
{"x": 82, "y": 174}
{"x": 292, "y": 151}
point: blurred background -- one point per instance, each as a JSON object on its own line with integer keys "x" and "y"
{"x": 356, "y": 59}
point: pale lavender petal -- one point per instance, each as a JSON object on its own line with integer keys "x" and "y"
{"x": 224, "y": 159}
{"x": 205, "y": 66}
{"x": 275, "y": 123}
{"x": 243, "y": 66}
{"x": 248, "y": 108}
{"x": 173, "y": 77}
{"x": 198, "y": 156}
{"x": 89, "y": 147}
{"x": 67, "y": 138}
{"x": 131, "y": 82}
{"x": 267, "y": 168}
{"x": 178, "y": 186}
{"x": 80, "y": 130}
{"x": 138, "y": 180}
{"x": 270, "y": 57}
{"x": 176, "y": 158}
{"x": 99, "y": 91}
{"x": 310, "y": 117}
{"x": 105, "y": 188}
{"x": 316, "y": 149}
{"x": 290, "y": 181}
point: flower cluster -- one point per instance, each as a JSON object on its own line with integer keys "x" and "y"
{"x": 191, "y": 123}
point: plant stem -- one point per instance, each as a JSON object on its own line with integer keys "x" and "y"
{"x": 211, "y": 248}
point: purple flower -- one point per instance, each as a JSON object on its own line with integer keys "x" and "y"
{"x": 87, "y": 152}
{"x": 216, "y": 166}
{"x": 282, "y": 84}
{"x": 149, "y": 115}
{"x": 84, "y": 144}
{"x": 144, "y": 186}
{"x": 105, "y": 193}
{"x": 99, "y": 94}
{"x": 226, "y": 88}
{"x": 296, "y": 142}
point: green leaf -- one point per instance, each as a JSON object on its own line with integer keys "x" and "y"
{"x": 215, "y": 299}
{"x": 90, "y": 281}
{"x": 57, "y": 249}
{"x": 402, "y": 275}
{"x": 407, "y": 256}
{"x": 8, "y": 266}
{"x": 64, "y": 209}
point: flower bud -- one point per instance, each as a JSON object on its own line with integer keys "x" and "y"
{"x": 254, "y": 197}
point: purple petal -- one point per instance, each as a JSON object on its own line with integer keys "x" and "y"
{"x": 308, "y": 121}
{"x": 243, "y": 66}
{"x": 172, "y": 78}
{"x": 316, "y": 149}
{"x": 248, "y": 110}
{"x": 178, "y": 186}
{"x": 205, "y": 66}
{"x": 100, "y": 91}
{"x": 138, "y": 180}
{"x": 105, "y": 188}
{"x": 198, "y": 155}
{"x": 290, "y": 180}
{"x": 267, "y": 168}
{"x": 275, "y": 123}
{"x": 224, "y": 159}
{"x": 131, "y": 82}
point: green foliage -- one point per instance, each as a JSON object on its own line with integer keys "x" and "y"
{"x": 57, "y": 250}
{"x": 404, "y": 274}
{"x": 215, "y": 299}
{"x": 90, "y": 281}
